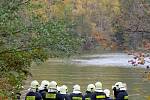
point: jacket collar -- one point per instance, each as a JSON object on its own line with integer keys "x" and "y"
{"x": 98, "y": 90}
{"x": 76, "y": 92}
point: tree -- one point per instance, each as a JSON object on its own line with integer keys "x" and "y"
{"x": 96, "y": 18}
{"x": 26, "y": 37}
{"x": 133, "y": 22}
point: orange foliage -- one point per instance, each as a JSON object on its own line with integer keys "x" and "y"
{"x": 66, "y": 1}
{"x": 146, "y": 45}
{"x": 103, "y": 39}
{"x": 104, "y": 42}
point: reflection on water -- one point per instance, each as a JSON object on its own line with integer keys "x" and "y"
{"x": 70, "y": 75}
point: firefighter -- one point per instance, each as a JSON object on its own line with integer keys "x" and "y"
{"x": 116, "y": 88}
{"x": 76, "y": 94}
{"x": 52, "y": 92}
{"x": 63, "y": 93}
{"x": 122, "y": 95}
{"x": 44, "y": 87}
{"x": 99, "y": 93}
{"x": 33, "y": 93}
{"x": 90, "y": 90}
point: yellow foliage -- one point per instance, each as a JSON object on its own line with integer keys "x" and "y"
{"x": 105, "y": 2}
{"x": 62, "y": 9}
{"x": 81, "y": 7}
{"x": 57, "y": 10}
{"x": 87, "y": 8}
{"x": 39, "y": 8}
{"x": 66, "y": 1}
{"x": 116, "y": 6}
{"x": 78, "y": 5}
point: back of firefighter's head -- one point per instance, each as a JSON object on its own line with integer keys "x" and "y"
{"x": 63, "y": 89}
{"x": 91, "y": 88}
{"x": 53, "y": 85}
{"x": 45, "y": 84}
{"x": 118, "y": 84}
{"x": 123, "y": 86}
{"x": 34, "y": 84}
{"x": 98, "y": 85}
{"x": 76, "y": 87}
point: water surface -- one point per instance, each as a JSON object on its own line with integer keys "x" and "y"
{"x": 68, "y": 73}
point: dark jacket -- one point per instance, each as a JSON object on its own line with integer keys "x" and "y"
{"x": 76, "y": 96}
{"x": 63, "y": 97}
{"x": 98, "y": 96}
{"x": 50, "y": 96}
{"x": 42, "y": 92}
{"x": 87, "y": 96}
{"x": 33, "y": 96}
{"x": 116, "y": 91}
{"x": 108, "y": 98}
{"x": 122, "y": 95}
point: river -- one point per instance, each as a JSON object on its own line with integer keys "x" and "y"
{"x": 107, "y": 68}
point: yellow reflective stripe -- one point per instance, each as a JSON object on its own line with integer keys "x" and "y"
{"x": 125, "y": 97}
{"x": 100, "y": 96}
{"x": 50, "y": 95}
{"x": 30, "y": 97}
{"x": 76, "y": 98}
{"x": 87, "y": 98}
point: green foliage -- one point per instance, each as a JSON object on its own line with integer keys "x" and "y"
{"x": 25, "y": 38}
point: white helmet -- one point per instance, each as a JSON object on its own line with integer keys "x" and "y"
{"x": 98, "y": 85}
{"x": 63, "y": 89}
{"x": 34, "y": 84}
{"x": 91, "y": 87}
{"x": 107, "y": 92}
{"x": 76, "y": 88}
{"x": 44, "y": 84}
{"x": 118, "y": 84}
{"x": 122, "y": 86}
{"x": 58, "y": 88}
{"x": 53, "y": 85}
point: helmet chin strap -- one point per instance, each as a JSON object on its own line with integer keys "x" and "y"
{"x": 37, "y": 89}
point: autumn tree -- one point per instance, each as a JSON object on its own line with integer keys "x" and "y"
{"x": 96, "y": 18}
{"x": 133, "y": 23}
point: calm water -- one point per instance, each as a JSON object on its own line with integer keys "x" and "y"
{"x": 71, "y": 74}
